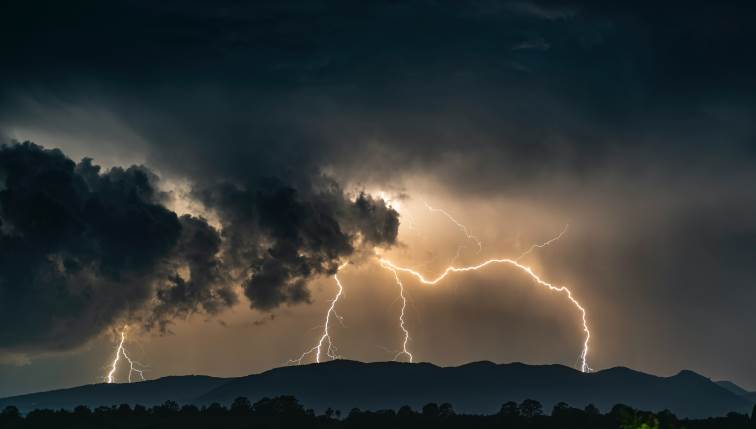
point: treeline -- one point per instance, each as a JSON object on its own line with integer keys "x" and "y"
{"x": 287, "y": 412}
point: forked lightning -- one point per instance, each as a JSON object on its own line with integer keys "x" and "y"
{"x": 396, "y": 269}
{"x": 451, "y": 269}
{"x": 325, "y": 338}
{"x": 121, "y": 351}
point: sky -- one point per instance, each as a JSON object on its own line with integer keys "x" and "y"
{"x": 198, "y": 172}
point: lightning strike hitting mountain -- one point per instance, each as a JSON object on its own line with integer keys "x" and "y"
{"x": 404, "y": 350}
{"x": 451, "y": 269}
{"x": 402, "y": 322}
{"x": 325, "y": 338}
{"x": 121, "y": 350}
{"x": 330, "y": 350}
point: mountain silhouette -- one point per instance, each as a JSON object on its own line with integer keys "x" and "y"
{"x": 479, "y": 387}
{"x": 734, "y": 388}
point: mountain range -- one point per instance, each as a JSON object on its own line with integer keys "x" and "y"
{"x": 479, "y": 387}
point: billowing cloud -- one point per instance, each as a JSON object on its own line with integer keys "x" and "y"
{"x": 278, "y": 237}
{"x": 81, "y": 249}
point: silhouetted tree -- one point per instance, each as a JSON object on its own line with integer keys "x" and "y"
{"x": 354, "y": 413}
{"x": 530, "y": 408}
{"x": 621, "y": 413}
{"x": 215, "y": 410}
{"x": 405, "y": 411}
{"x": 509, "y": 409}
{"x": 139, "y": 410}
{"x": 190, "y": 410}
{"x": 241, "y": 407}
{"x": 10, "y": 417}
{"x": 560, "y": 409}
{"x": 667, "y": 419}
{"x": 167, "y": 408}
{"x": 753, "y": 416}
{"x": 591, "y": 410}
{"x": 123, "y": 411}
{"x": 287, "y": 406}
{"x": 430, "y": 410}
{"x": 446, "y": 410}
{"x": 285, "y": 412}
{"x": 82, "y": 411}
{"x": 737, "y": 420}
{"x": 10, "y": 412}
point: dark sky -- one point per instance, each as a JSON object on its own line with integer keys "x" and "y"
{"x": 230, "y": 144}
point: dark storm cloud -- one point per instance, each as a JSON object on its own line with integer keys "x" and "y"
{"x": 304, "y": 232}
{"x": 81, "y": 249}
{"x": 208, "y": 286}
{"x": 281, "y": 89}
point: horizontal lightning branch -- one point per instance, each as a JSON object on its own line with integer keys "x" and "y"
{"x": 452, "y": 269}
{"x": 544, "y": 244}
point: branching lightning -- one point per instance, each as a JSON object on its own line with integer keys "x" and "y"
{"x": 461, "y": 226}
{"x": 325, "y": 345}
{"x": 544, "y": 244}
{"x": 404, "y": 350}
{"x": 325, "y": 338}
{"x": 451, "y": 269}
{"x": 515, "y": 262}
{"x": 121, "y": 351}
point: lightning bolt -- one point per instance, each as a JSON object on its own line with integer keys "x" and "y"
{"x": 121, "y": 351}
{"x": 394, "y": 269}
{"x": 452, "y": 269}
{"x": 404, "y": 350}
{"x": 326, "y": 342}
{"x": 459, "y": 225}
{"x": 325, "y": 338}
{"x": 544, "y": 244}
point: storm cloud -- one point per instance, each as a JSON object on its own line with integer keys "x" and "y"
{"x": 80, "y": 249}
{"x": 305, "y": 232}
{"x": 83, "y": 249}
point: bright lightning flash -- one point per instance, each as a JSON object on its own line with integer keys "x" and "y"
{"x": 121, "y": 351}
{"x": 325, "y": 338}
{"x": 404, "y": 350}
{"x": 451, "y": 269}
{"x": 330, "y": 349}
{"x": 394, "y": 269}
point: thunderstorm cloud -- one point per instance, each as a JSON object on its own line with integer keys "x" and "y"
{"x": 81, "y": 248}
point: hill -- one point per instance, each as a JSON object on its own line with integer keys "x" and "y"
{"x": 479, "y": 387}
{"x": 734, "y": 388}
{"x": 183, "y": 389}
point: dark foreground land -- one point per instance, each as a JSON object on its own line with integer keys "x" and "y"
{"x": 287, "y": 412}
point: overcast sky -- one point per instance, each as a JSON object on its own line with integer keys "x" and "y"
{"x": 215, "y": 164}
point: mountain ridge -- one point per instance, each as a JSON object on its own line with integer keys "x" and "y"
{"x": 476, "y": 387}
